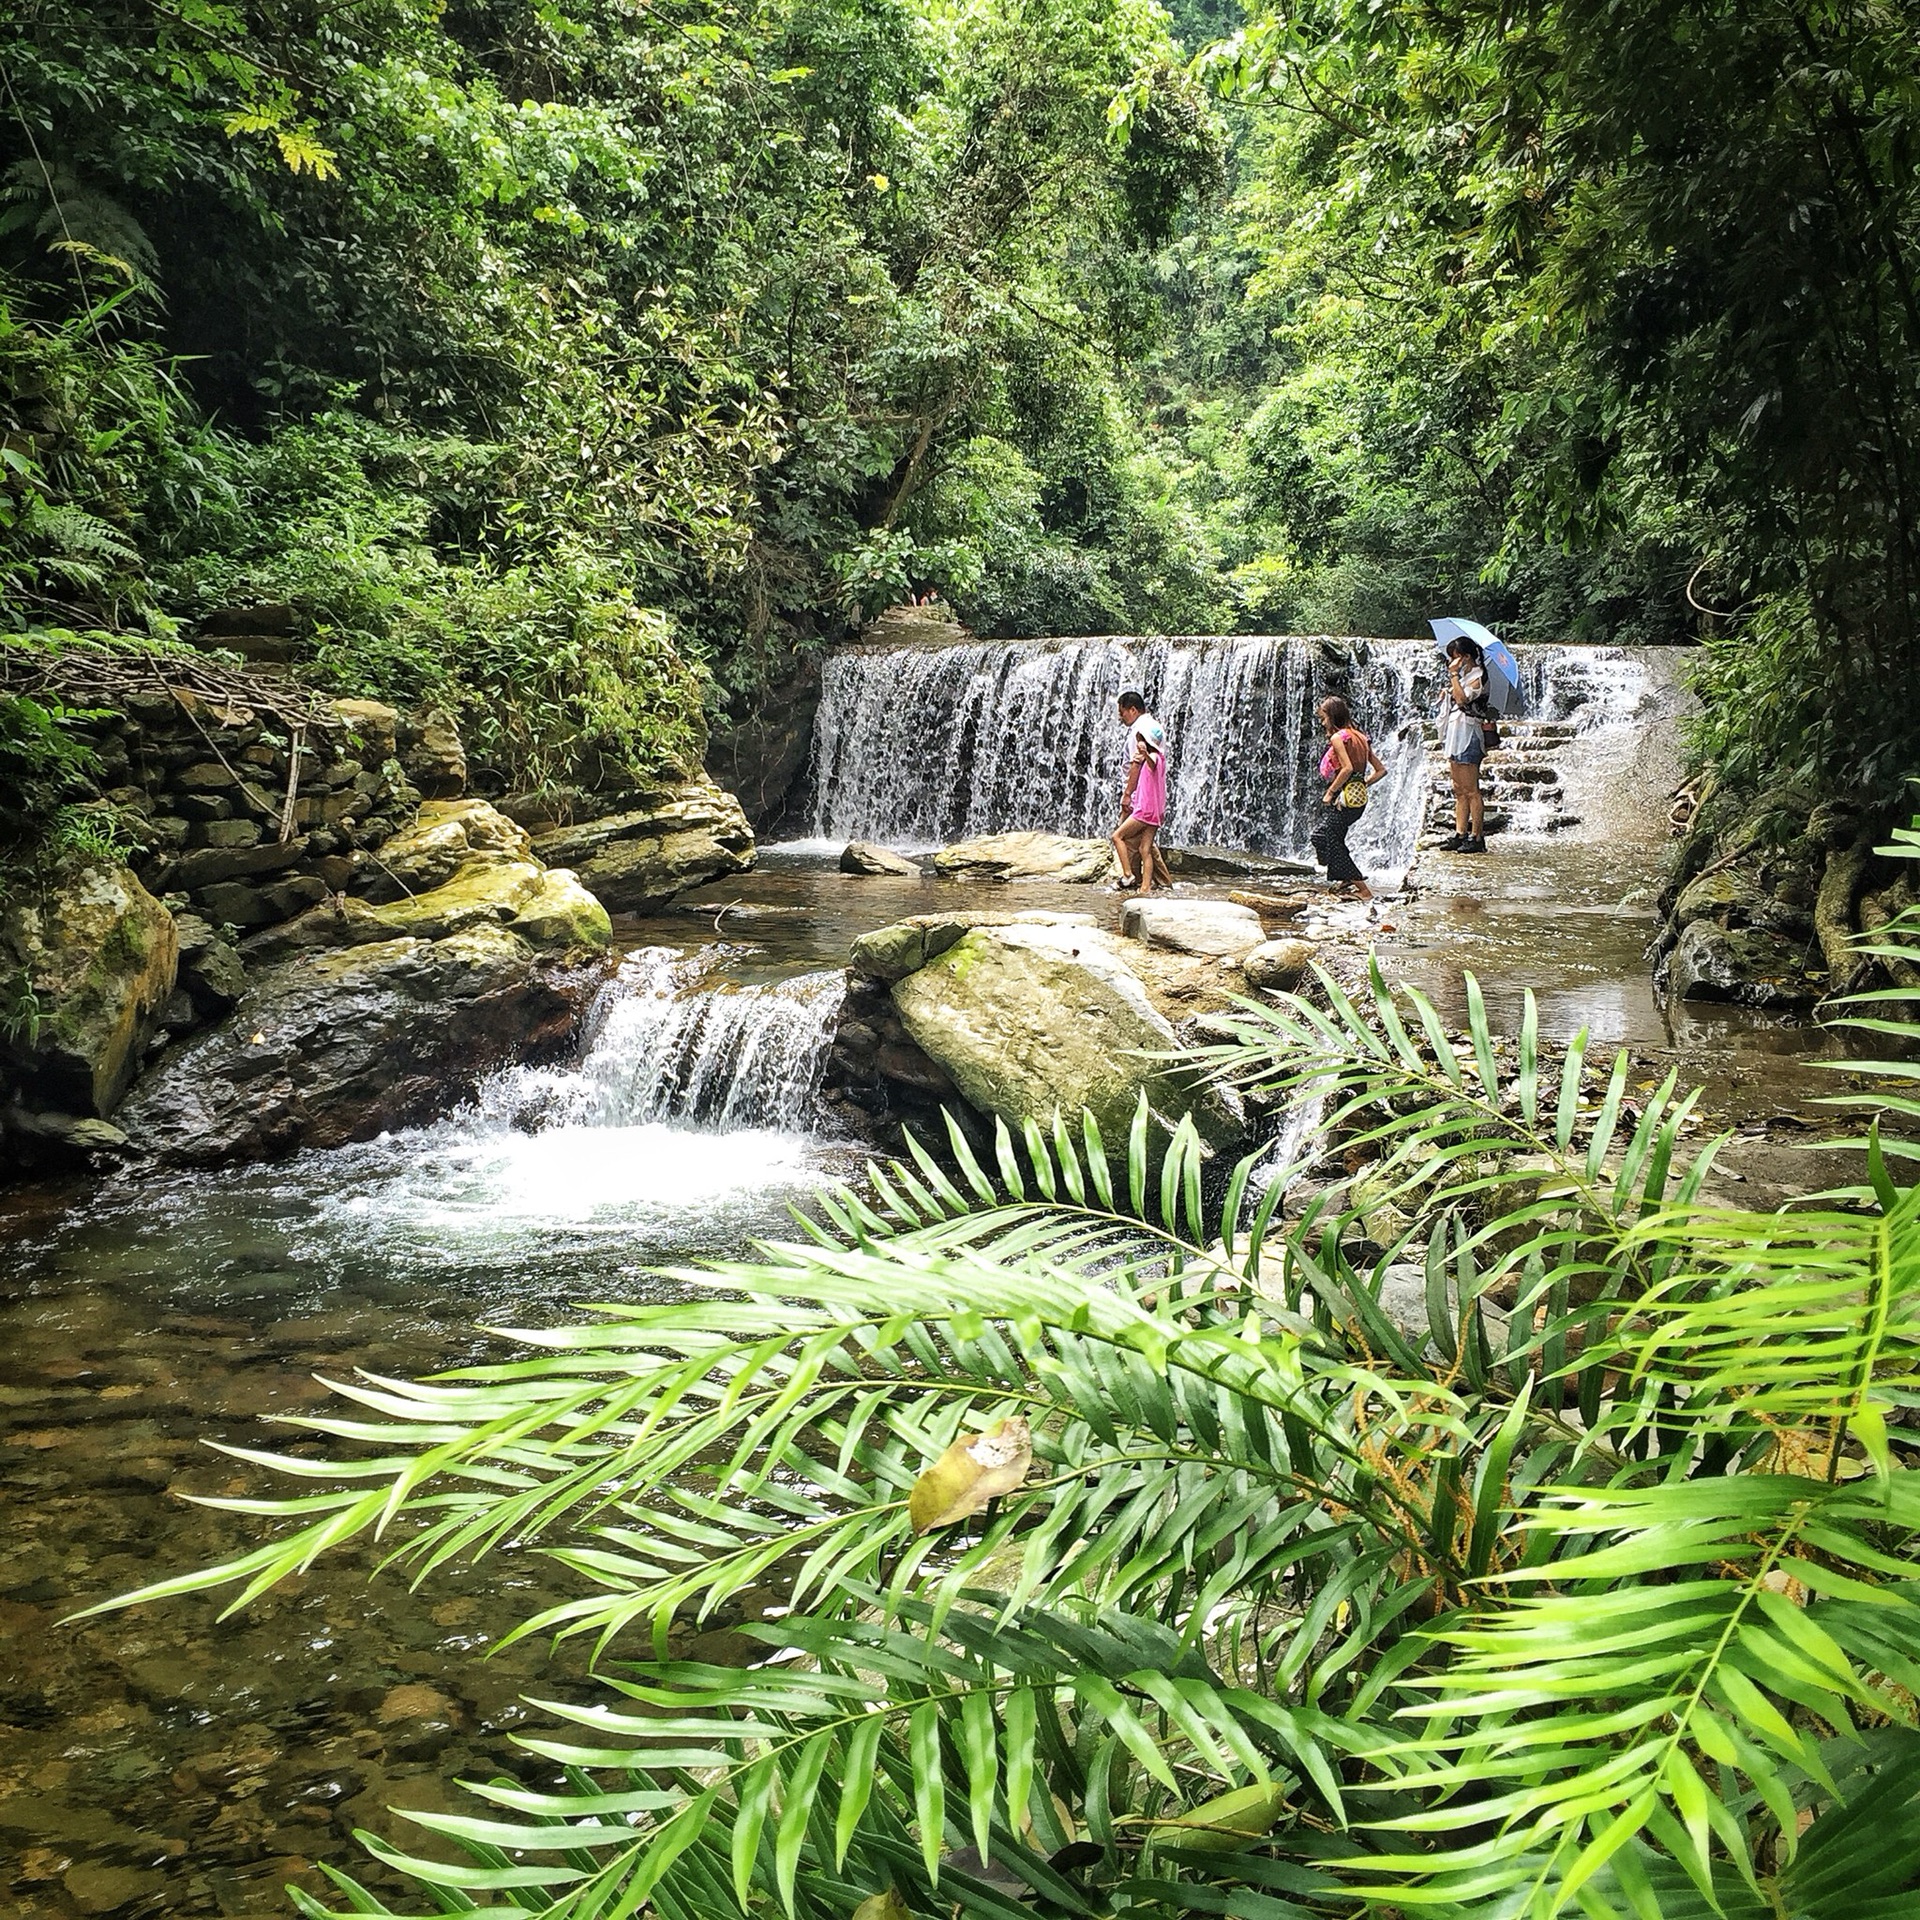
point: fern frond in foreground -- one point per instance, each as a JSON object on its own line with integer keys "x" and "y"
{"x": 1510, "y": 1533}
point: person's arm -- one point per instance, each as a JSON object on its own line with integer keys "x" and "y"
{"x": 1377, "y": 764}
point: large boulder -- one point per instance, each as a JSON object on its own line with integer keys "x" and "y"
{"x": 87, "y": 963}
{"x": 1734, "y": 897}
{"x": 460, "y": 864}
{"x": 337, "y": 1045}
{"x": 667, "y": 842}
{"x": 443, "y": 838}
{"x": 892, "y": 952}
{"x": 359, "y": 1017}
{"x": 1030, "y": 1020}
{"x": 1214, "y": 929}
{"x": 1027, "y": 856}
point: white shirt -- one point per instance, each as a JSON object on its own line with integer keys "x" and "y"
{"x": 1462, "y": 729}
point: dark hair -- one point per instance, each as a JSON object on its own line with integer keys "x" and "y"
{"x": 1462, "y": 646}
{"x": 1133, "y": 698}
{"x": 1335, "y": 712}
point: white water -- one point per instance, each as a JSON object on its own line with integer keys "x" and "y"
{"x": 687, "y": 1114}
{"x": 670, "y": 1039}
{"x": 919, "y": 745}
{"x": 923, "y": 745}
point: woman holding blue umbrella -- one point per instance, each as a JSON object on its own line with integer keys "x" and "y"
{"x": 1465, "y": 740}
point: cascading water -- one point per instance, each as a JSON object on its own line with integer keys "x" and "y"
{"x": 919, "y": 745}
{"x": 669, "y": 1045}
{"x": 687, "y": 1120}
{"x": 922, "y": 745}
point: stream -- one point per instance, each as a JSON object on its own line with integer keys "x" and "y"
{"x": 159, "y": 1763}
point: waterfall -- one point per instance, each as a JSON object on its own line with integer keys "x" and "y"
{"x": 668, "y": 1042}
{"x": 923, "y": 745}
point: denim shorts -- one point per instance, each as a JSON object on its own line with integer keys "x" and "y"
{"x": 1475, "y": 753}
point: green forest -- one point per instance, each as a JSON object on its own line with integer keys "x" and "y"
{"x": 585, "y": 367}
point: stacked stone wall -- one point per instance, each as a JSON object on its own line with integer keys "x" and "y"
{"x": 247, "y": 821}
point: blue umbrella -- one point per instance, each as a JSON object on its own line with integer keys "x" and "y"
{"x": 1503, "y": 673}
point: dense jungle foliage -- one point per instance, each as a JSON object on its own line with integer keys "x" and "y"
{"x": 580, "y": 365}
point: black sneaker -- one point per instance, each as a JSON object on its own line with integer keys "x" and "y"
{"x": 1453, "y": 843}
{"x": 1474, "y": 843}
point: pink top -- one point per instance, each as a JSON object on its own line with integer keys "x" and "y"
{"x": 1150, "y": 788}
{"x": 1329, "y": 764}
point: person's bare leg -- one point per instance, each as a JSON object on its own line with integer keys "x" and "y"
{"x": 1465, "y": 780}
{"x": 1477, "y": 806}
{"x": 1121, "y": 851}
{"x": 1162, "y": 873}
{"x": 1132, "y": 849}
{"x": 1149, "y": 859}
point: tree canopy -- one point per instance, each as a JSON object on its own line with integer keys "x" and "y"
{"x": 583, "y": 366}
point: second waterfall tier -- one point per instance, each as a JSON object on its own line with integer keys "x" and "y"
{"x": 926, "y": 745}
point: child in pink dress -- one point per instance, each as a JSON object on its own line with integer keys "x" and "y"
{"x": 1144, "y": 806}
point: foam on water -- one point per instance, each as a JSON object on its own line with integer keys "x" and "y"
{"x": 685, "y": 1122}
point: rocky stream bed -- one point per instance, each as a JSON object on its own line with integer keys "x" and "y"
{"x": 517, "y": 1063}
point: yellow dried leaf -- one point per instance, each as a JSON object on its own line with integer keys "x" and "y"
{"x": 1229, "y": 1824}
{"x": 882, "y": 1906}
{"x": 970, "y": 1473}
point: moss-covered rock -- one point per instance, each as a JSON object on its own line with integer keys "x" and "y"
{"x": 1745, "y": 966}
{"x": 446, "y": 836}
{"x": 1030, "y": 1020}
{"x": 476, "y": 868}
{"x": 87, "y": 962}
{"x": 665, "y": 843}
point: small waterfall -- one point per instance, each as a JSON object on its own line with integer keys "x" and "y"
{"x": 921, "y": 745}
{"x": 669, "y": 1043}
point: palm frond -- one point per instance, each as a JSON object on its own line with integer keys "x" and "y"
{"x": 1586, "y": 1581}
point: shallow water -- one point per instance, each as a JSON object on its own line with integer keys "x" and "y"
{"x": 160, "y": 1763}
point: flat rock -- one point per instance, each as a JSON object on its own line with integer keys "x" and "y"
{"x": 1030, "y": 1021}
{"x": 863, "y": 857}
{"x": 641, "y": 857}
{"x": 105, "y": 1889}
{"x": 1211, "y": 928}
{"x": 1275, "y": 906}
{"x": 1230, "y": 863}
{"x": 1028, "y": 856}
